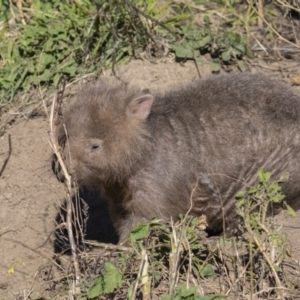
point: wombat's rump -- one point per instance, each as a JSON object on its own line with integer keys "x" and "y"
{"x": 148, "y": 152}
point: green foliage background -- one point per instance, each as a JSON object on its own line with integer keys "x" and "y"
{"x": 60, "y": 38}
{"x": 42, "y": 40}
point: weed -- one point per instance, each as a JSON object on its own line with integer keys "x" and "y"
{"x": 264, "y": 238}
{"x": 59, "y": 38}
{"x": 225, "y": 47}
{"x": 174, "y": 260}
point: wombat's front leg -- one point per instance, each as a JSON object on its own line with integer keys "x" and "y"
{"x": 121, "y": 209}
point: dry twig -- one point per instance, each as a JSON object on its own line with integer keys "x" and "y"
{"x": 55, "y": 109}
{"x": 260, "y": 13}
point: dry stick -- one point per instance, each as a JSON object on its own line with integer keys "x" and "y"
{"x": 260, "y": 13}
{"x": 269, "y": 262}
{"x": 174, "y": 276}
{"x": 111, "y": 247}
{"x": 295, "y": 33}
{"x": 240, "y": 274}
{"x": 144, "y": 263}
{"x": 281, "y": 49}
{"x": 56, "y": 150}
{"x": 176, "y": 246}
{"x": 145, "y": 280}
{"x": 189, "y": 272}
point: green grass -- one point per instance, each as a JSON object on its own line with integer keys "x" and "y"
{"x": 41, "y": 41}
{"x": 47, "y": 39}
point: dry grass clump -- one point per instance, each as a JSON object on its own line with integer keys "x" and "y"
{"x": 176, "y": 260}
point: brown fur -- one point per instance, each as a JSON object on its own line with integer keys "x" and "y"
{"x": 147, "y": 153}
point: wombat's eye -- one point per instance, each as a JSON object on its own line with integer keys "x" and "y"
{"x": 95, "y": 145}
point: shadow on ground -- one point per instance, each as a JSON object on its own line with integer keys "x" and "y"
{"x": 92, "y": 216}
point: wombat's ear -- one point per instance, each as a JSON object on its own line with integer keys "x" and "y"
{"x": 140, "y": 107}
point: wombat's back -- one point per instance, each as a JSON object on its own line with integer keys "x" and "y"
{"x": 225, "y": 94}
{"x": 215, "y": 134}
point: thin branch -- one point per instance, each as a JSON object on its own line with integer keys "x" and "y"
{"x": 56, "y": 110}
{"x": 260, "y": 21}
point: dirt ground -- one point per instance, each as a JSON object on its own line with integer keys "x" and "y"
{"x": 31, "y": 196}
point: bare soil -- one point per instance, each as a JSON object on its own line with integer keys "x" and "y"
{"x": 31, "y": 197}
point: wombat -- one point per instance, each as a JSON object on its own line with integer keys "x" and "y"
{"x": 196, "y": 146}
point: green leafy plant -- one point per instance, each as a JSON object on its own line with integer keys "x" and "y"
{"x": 106, "y": 283}
{"x": 157, "y": 250}
{"x": 263, "y": 238}
{"x": 225, "y": 47}
{"x": 73, "y": 39}
{"x": 182, "y": 292}
{"x": 44, "y": 40}
{"x": 254, "y": 203}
